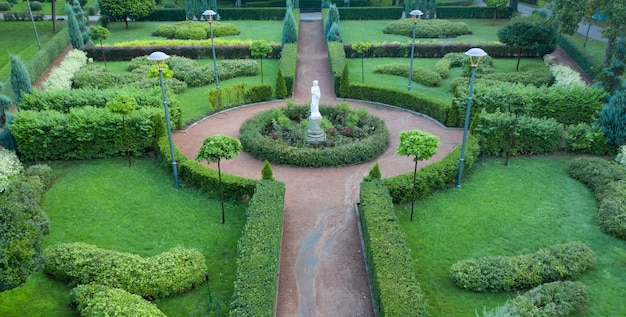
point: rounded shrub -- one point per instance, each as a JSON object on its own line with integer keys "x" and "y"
{"x": 506, "y": 273}
{"x": 191, "y": 33}
{"x": 36, "y": 6}
{"x": 101, "y": 300}
{"x": 279, "y": 136}
{"x": 5, "y": 6}
{"x": 166, "y": 30}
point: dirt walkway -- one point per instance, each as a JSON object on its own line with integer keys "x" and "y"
{"x": 322, "y": 270}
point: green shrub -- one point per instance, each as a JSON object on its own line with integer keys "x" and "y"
{"x": 5, "y": 6}
{"x": 556, "y": 299}
{"x": 191, "y": 33}
{"x": 337, "y": 59}
{"x": 259, "y": 252}
{"x": 36, "y": 6}
{"x": 582, "y": 57}
{"x": 532, "y": 135}
{"x": 587, "y": 139}
{"x": 434, "y": 28}
{"x": 39, "y": 62}
{"x": 506, "y": 273}
{"x": 258, "y": 93}
{"x": 181, "y": 66}
{"x": 196, "y": 30}
{"x": 442, "y": 67}
{"x": 435, "y": 176}
{"x": 420, "y": 75}
{"x": 100, "y": 77}
{"x": 226, "y": 69}
{"x": 173, "y": 272}
{"x": 275, "y": 148}
{"x": 288, "y": 61}
{"x": 595, "y": 172}
{"x": 51, "y": 135}
{"x": 395, "y": 287}
{"x": 537, "y": 77}
{"x": 281, "y": 86}
{"x": 101, "y": 300}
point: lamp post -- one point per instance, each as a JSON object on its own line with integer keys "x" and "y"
{"x": 30, "y": 11}
{"x": 161, "y": 57}
{"x": 416, "y": 14}
{"x": 208, "y": 15}
{"x": 478, "y": 53}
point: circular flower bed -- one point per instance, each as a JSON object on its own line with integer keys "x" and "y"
{"x": 279, "y": 136}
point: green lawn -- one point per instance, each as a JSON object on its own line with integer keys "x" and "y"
{"x": 132, "y": 209}
{"x": 507, "y": 210}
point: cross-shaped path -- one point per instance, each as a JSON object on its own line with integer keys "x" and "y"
{"x": 322, "y": 269}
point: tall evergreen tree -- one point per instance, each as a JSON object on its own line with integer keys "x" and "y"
{"x": 613, "y": 118}
{"x": 76, "y": 38}
{"x": 82, "y": 19}
{"x": 20, "y": 79}
{"x": 332, "y": 17}
{"x": 290, "y": 32}
{"x": 610, "y": 76}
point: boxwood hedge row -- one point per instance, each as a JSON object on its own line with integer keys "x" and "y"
{"x": 202, "y": 177}
{"x": 506, "y": 273}
{"x": 396, "y": 289}
{"x": 125, "y": 53}
{"x": 52, "y": 135}
{"x": 173, "y": 272}
{"x": 605, "y": 179}
{"x": 435, "y": 176}
{"x": 101, "y": 300}
{"x": 432, "y": 50}
{"x": 256, "y": 282}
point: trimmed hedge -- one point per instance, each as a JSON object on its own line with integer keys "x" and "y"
{"x": 38, "y": 63}
{"x": 288, "y": 60}
{"x": 605, "y": 179}
{"x": 205, "y": 178}
{"x": 587, "y": 139}
{"x": 52, "y": 135}
{"x": 196, "y": 30}
{"x": 507, "y": 273}
{"x": 432, "y": 50}
{"x": 337, "y": 59}
{"x": 581, "y": 57}
{"x": 396, "y": 289}
{"x": 100, "y": 77}
{"x": 275, "y": 14}
{"x": 434, "y": 28}
{"x": 370, "y": 13}
{"x": 101, "y": 300}
{"x": 532, "y": 135}
{"x": 258, "y": 257}
{"x": 444, "y": 12}
{"x": 173, "y": 272}
{"x": 263, "y": 147}
{"x": 420, "y": 75}
{"x": 65, "y": 100}
{"x": 125, "y": 53}
{"x": 401, "y": 98}
{"x": 435, "y": 176}
{"x": 556, "y": 299}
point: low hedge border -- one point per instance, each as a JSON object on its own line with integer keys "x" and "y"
{"x": 126, "y": 53}
{"x": 206, "y": 179}
{"x": 264, "y": 148}
{"x": 256, "y": 281}
{"x": 581, "y": 57}
{"x": 173, "y": 272}
{"x": 432, "y": 50}
{"x": 288, "y": 60}
{"x": 507, "y": 273}
{"x": 435, "y": 176}
{"x": 395, "y": 287}
{"x": 101, "y": 300}
{"x": 337, "y": 59}
{"x": 606, "y": 180}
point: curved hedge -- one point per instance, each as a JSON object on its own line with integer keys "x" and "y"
{"x": 507, "y": 273}
{"x": 173, "y": 272}
{"x": 556, "y": 299}
{"x": 395, "y": 287}
{"x": 101, "y": 300}
{"x": 259, "y": 252}
{"x": 606, "y": 181}
{"x": 251, "y": 134}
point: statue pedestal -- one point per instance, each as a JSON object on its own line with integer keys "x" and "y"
{"x": 315, "y": 134}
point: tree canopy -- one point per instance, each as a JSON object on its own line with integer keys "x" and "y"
{"x": 126, "y": 9}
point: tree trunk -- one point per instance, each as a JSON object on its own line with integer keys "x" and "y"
{"x": 54, "y": 16}
{"x": 413, "y": 192}
{"x": 607, "y": 52}
{"x": 126, "y": 21}
{"x": 519, "y": 57}
{"x": 219, "y": 176}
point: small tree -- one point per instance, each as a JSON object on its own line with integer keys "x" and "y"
{"x": 496, "y": 5}
{"x": 422, "y": 145}
{"x": 266, "y": 172}
{"x": 334, "y": 34}
{"x": 99, "y": 33}
{"x": 527, "y": 32}
{"x": 333, "y": 17}
{"x": 82, "y": 19}
{"x": 281, "y": 86}
{"x": 290, "y": 32}
{"x": 76, "y": 38}
{"x": 361, "y": 48}
{"x": 123, "y": 105}
{"x": 260, "y": 49}
{"x": 375, "y": 172}
{"x": 20, "y": 79}
{"x": 611, "y": 75}
{"x": 344, "y": 83}
{"x": 613, "y": 118}
{"x": 126, "y": 9}
{"x": 214, "y": 149}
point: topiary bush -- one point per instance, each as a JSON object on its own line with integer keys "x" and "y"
{"x": 173, "y": 272}
{"x": 102, "y": 300}
{"x": 5, "y": 6}
{"x": 279, "y": 136}
{"x": 434, "y": 28}
{"x": 506, "y": 273}
{"x": 36, "y": 6}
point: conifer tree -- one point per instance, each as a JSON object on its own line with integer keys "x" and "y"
{"x": 82, "y": 19}
{"x": 290, "y": 32}
{"x": 613, "y": 118}
{"x": 76, "y": 38}
{"x": 266, "y": 172}
{"x": 281, "y": 86}
{"x": 20, "y": 79}
{"x": 344, "y": 83}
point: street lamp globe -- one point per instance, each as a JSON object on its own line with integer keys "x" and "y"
{"x": 416, "y": 14}
{"x": 208, "y": 15}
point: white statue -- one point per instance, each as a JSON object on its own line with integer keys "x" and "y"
{"x": 316, "y": 94}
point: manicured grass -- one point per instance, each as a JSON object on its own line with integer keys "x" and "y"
{"x": 133, "y": 209}
{"x": 18, "y": 38}
{"x": 507, "y": 210}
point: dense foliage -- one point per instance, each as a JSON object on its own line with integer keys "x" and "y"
{"x": 172, "y": 272}
{"x": 395, "y": 287}
{"x": 435, "y": 28}
{"x": 101, "y": 300}
{"x": 259, "y": 252}
{"x": 420, "y": 75}
{"x": 506, "y": 273}
{"x": 279, "y": 136}
{"x": 195, "y": 30}
{"x": 606, "y": 181}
